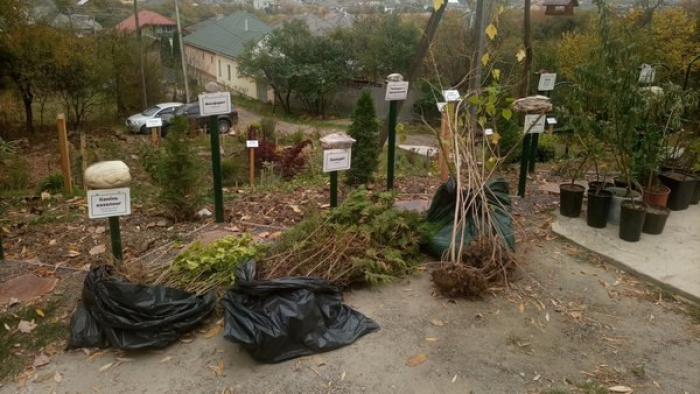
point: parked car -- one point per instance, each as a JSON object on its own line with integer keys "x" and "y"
{"x": 137, "y": 123}
{"x": 197, "y": 121}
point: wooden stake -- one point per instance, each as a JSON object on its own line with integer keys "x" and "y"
{"x": 65, "y": 154}
{"x": 155, "y": 137}
{"x": 252, "y": 167}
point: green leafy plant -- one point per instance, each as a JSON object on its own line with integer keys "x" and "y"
{"x": 231, "y": 169}
{"x": 202, "y": 268}
{"x": 364, "y": 240}
{"x": 267, "y": 126}
{"x": 365, "y": 131}
{"x": 53, "y": 183}
{"x": 178, "y": 172}
{"x": 14, "y": 173}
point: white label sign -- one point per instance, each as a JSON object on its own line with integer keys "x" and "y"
{"x": 647, "y": 74}
{"x": 534, "y": 123}
{"x": 551, "y": 121}
{"x": 547, "y": 81}
{"x": 441, "y": 107}
{"x": 252, "y": 144}
{"x": 109, "y": 202}
{"x": 336, "y": 160}
{"x": 450, "y": 95}
{"x": 396, "y": 91}
{"x": 488, "y": 131}
{"x": 155, "y": 122}
{"x": 214, "y": 103}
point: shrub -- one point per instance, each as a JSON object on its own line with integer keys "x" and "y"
{"x": 547, "y": 148}
{"x": 267, "y": 125}
{"x": 230, "y": 169}
{"x": 14, "y": 173}
{"x": 510, "y": 144}
{"x": 365, "y": 130}
{"x": 53, "y": 183}
{"x": 178, "y": 173}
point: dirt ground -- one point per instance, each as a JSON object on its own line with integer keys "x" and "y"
{"x": 570, "y": 322}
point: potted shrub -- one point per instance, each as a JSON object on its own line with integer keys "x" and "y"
{"x": 599, "y": 198}
{"x": 571, "y": 194}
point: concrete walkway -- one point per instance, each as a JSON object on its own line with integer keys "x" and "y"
{"x": 671, "y": 259}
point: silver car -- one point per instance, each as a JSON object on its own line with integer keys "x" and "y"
{"x": 137, "y": 123}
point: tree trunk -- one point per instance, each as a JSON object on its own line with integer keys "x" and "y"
{"x": 418, "y": 58}
{"x": 27, "y": 99}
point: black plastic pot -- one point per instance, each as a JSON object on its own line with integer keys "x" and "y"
{"x": 570, "y": 199}
{"x": 598, "y": 207}
{"x": 696, "y": 194}
{"x": 632, "y": 216}
{"x": 655, "y": 219}
{"x": 682, "y": 189}
{"x": 595, "y": 185}
{"x": 621, "y": 181}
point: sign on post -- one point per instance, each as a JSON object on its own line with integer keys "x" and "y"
{"x": 396, "y": 91}
{"x": 109, "y": 202}
{"x": 534, "y": 123}
{"x": 214, "y": 103}
{"x": 647, "y": 73}
{"x": 336, "y": 159}
{"x": 155, "y": 122}
{"x": 547, "y": 81}
{"x": 441, "y": 107}
{"x": 252, "y": 144}
{"x": 451, "y": 95}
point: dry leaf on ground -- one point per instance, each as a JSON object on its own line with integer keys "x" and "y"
{"x": 416, "y": 360}
{"x": 40, "y": 360}
{"x": 620, "y": 389}
{"x": 105, "y": 367}
{"x": 26, "y": 327}
{"x": 98, "y": 249}
{"x": 437, "y": 322}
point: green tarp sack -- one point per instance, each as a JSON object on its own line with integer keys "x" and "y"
{"x": 442, "y": 213}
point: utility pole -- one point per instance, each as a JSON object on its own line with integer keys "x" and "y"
{"x": 144, "y": 97}
{"x": 182, "y": 53}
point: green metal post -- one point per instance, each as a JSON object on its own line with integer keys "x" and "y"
{"x": 116, "y": 237}
{"x": 216, "y": 169}
{"x": 524, "y": 159}
{"x": 392, "y": 146}
{"x": 533, "y": 152}
{"x": 334, "y": 189}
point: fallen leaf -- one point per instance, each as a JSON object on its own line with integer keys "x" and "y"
{"x": 416, "y": 360}
{"x": 98, "y": 249}
{"x": 161, "y": 223}
{"x": 454, "y": 378}
{"x": 45, "y": 196}
{"x": 431, "y": 339}
{"x": 52, "y": 242}
{"x": 437, "y": 322}
{"x": 105, "y": 367}
{"x": 546, "y": 316}
{"x": 166, "y": 359}
{"x": 58, "y": 377}
{"x": 521, "y": 307}
{"x": 40, "y": 312}
{"x": 41, "y": 360}
{"x": 620, "y": 389}
{"x": 536, "y": 378}
{"x": 26, "y": 326}
{"x": 342, "y": 377}
{"x": 213, "y": 332}
{"x": 7, "y": 327}
{"x": 656, "y": 384}
{"x": 295, "y": 208}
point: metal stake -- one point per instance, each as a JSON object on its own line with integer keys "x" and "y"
{"x": 392, "y": 146}
{"x": 216, "y": 169}
{"x": 116, "y": 237}
{"x": 334, "y": 189}
{"x": 524, "y": 159}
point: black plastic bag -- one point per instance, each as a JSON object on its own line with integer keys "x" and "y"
{"x": 85, "y": 332}
{"x": 442, "y": 213}
{"x": 281, "y": 319}
{"x": 134, "y": 316}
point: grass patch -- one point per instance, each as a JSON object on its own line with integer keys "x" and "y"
{"x": 18, "y": 349}
{"x": 592, "y": 388}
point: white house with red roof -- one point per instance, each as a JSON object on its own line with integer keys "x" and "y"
{"x": 152, "y": 24}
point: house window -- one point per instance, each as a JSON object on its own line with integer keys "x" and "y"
{"x": 228, "y": 68}
{"x": 219, "y": 67}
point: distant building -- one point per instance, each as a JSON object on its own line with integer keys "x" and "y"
{"x": 82, "y": 24}
{"x": 152, "y": 24}
{"x": 262, "y": 4}
{"x": 213, "y": 51}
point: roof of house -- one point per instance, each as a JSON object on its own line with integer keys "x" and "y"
{"x": 146, "y": 18}
{"x": 229, "y": 35}
{"x": 76, "y": 21}
{"x": 201, "y": 25}
{"x": 323, "y": 25}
